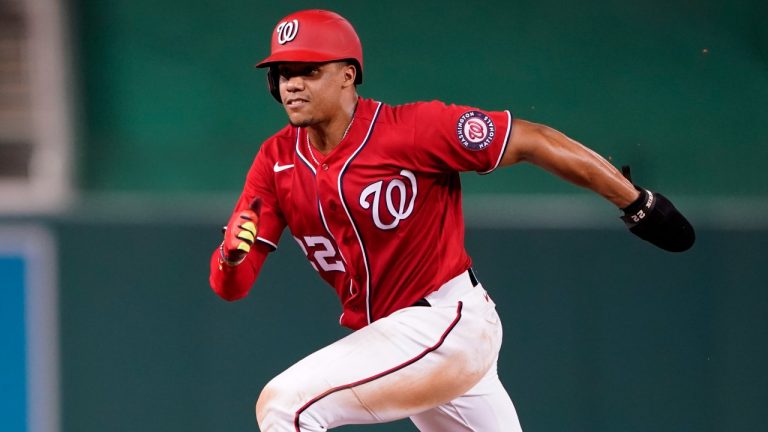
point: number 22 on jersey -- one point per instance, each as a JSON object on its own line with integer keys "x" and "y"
{"x": 320, "y": 252}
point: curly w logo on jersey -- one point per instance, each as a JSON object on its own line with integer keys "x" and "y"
{"x": 398, "y": 198}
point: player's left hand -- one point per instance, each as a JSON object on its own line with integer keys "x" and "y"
{"x": 240, "y": 233}
{"x": 654, "y": 218}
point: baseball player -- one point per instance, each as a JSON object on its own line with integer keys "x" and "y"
{"x": 371, "y": 195}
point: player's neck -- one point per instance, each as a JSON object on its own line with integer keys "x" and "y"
{"x": 326, "y": 136}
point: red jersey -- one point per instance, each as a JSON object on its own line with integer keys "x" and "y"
{"x": 380, "y": 216}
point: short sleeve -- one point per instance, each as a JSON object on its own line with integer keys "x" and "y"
{"x": 460, "y": 138}
{"x": 260, "y": 182}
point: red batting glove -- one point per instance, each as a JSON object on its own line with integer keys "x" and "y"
{"x": 240, "y": 234}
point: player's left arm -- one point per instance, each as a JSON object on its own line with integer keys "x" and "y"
{"x": 553, "y": 151}
{"x": 647, "y": 214}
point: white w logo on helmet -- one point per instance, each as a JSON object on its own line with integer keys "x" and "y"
{"x": 287, "y": 31}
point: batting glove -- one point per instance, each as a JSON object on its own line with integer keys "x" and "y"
{"x": 240, "y": 234}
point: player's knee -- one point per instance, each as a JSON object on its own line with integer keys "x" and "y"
{"x": 263, "y": 404}
{"x": 276, "y": 403}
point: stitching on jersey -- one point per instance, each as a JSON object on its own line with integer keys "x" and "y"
{"x": 366, "y": 407}
{"x": 389, "y": 371}
{"x": 349, "y": 215}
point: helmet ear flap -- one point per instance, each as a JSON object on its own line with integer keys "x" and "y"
{"x": 273, "y": 81}
{"x": 358, "y": 72}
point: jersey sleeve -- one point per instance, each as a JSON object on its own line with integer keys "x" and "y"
{"x": 260, "y": 182}
{"x": 234, "y": 282}
{"x": 460, "y": 138}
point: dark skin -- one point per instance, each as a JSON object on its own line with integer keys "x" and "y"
{"x": 553, "y": 151}
{"x": 322, "y": 97}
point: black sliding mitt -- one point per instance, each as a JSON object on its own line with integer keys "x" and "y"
{"x": 654, "y": 218}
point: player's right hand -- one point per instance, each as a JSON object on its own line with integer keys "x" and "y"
{"x": 240, "y": 233}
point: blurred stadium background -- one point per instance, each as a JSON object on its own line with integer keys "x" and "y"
{"x": 126, "y": 128}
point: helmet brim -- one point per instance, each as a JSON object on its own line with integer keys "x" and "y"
{"x": 303, "y": 56}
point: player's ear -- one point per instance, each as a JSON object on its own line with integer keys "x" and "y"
{"x": 350, "y": 73}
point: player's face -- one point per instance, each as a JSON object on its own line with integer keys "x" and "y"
{"x": 311, "y": 92}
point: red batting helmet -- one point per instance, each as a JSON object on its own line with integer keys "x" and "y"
{"x": 313, "y": 36}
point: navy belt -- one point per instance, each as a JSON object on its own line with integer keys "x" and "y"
{"x": 472, "y": 278}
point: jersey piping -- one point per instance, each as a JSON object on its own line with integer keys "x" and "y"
{"x": 263, "y": 240}
{"x": 319, "y": 205}
{"x": 349, "y": 215}
{"x": 504, "y": 145}
{"x": 301, "y": 155}
{"x": 328, "y": 230}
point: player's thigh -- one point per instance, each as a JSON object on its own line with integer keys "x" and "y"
{"x": 485, "y": 408}
{"x": 414, "y": 360}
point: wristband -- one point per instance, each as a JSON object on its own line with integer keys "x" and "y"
{"x": 639, "y": 209}
{"x": 654, "y": 218}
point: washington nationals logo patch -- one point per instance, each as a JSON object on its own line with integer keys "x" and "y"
{"x": 475, "y": 130}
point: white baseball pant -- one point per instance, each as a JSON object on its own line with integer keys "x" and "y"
{"x": 436, "y": 365}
